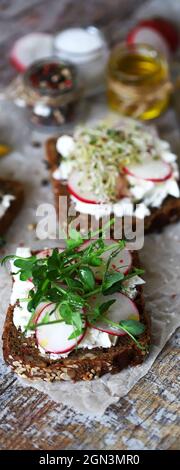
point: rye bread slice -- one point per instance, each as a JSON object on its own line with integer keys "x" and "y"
{"x": 16, "y": 189}
{"x": 23, "y": 355}
{"x": 167, "y": 213}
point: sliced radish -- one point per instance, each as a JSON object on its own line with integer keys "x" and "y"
{"x": 150, "y": 170}
{"x": 29, "y": 48}
{"x": 40, "y": 308}
{"x": 120, "y": 263}
{"x": 46, "y": 253}
{"x": 123, "y": 309}
{"x": 54, "y": 338}
{"x": 79, "y": 186}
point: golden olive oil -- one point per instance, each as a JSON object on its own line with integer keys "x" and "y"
{"x": 138, "y": 81}
{"x": 4, "y": 150}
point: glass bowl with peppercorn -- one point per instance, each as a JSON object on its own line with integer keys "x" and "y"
{"x": 51, "y": 92}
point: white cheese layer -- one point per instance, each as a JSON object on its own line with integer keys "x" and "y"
{"x": 152, "y": 195}
{"x": 65, "y": 145}
{"x": 129, "y": 286}
{"x": 20, "y": 291}
{"x": 92, "y": 339}
{"x": 63, "y": 171}
{"x": 122, "y": 208}
{"x": 5, "y": 203}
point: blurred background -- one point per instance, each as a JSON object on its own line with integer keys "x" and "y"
{"x": 137, "y": 81}
{"x": 19, "y": 17}
{"x": 114, "y": 17}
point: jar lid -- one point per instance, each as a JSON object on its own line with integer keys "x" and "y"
{"x": 51, "y": 91}
{"x": 157, "y": 32}
{"x": 79, "y": 41}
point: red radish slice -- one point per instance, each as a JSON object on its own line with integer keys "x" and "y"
{"x": 45, "y": 253}
{"x": 29, "y": 48}
{"x": 40, "y": 308}
{"x": 80, "y": 188}
{"x": 121, "y": 263}
{"x": 123, "y": 309}
{"x": 150, "y": 170}
{"x": 54, "y": 338}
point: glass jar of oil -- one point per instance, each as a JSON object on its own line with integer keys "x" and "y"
{"x": 138, "y": 82}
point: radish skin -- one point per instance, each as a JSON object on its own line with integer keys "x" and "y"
{"x": 45, "y": 253}
{"x": 147, "y": 171}
{"x": 86, "y": 196}
{"x": 121, "y": 263}
{"x": 54, "y": 338}
{"x": 122, "y": 309}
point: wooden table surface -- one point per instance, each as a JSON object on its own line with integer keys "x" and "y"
{"x": 147, "y": 418}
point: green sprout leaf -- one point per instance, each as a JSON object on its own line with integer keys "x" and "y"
{"x": 87, "y": 278}
{"x": 75, "y": 235}
{"x": 75, "y": 239}
{"x": 66, "y": 279}
{"x": 133, "y": 326}
{"x": 110, "y": 280}
{"x": 106, "y": 305}
{"x": 25, "y": 275}
{"x": 25, "y": 263}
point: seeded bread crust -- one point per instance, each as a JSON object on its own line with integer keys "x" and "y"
{"x": 16, "y": 189}
{"x": 168, "y": 213}
{"x": 23, "y": 355}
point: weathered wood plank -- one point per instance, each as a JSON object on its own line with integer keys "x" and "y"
{"x": 146, "y": 419}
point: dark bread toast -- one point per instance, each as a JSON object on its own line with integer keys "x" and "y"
{"x": 16, "y": 189}
{"x": 25, "y": 359}
{"x": 168, "y": 213}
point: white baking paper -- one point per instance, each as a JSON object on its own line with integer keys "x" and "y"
{"x": 160, "y": 257}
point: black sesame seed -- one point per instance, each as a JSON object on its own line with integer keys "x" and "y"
{"x": 36, "y": 144}
{"x": 45, "y": 182}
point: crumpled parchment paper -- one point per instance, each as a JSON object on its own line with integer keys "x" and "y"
{"x": 160, "y": 257}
